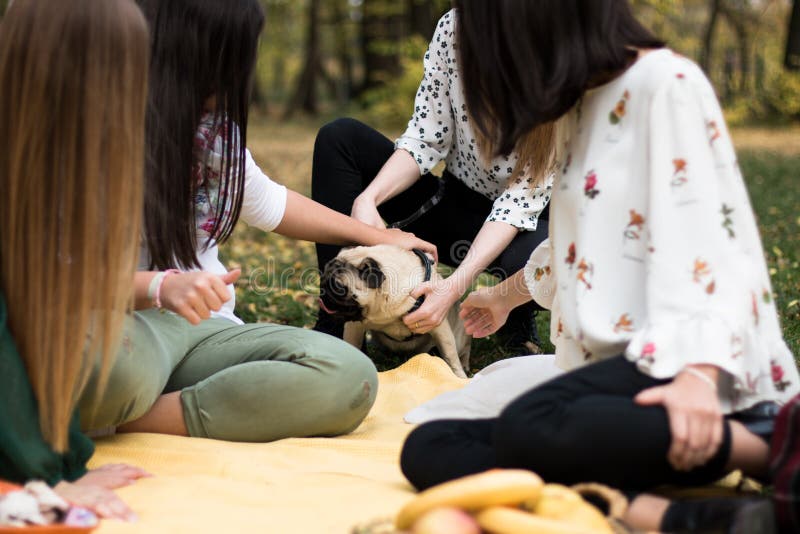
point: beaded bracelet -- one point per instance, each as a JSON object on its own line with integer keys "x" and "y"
{"x": 154, "y": 289}
{"x": 702, "y": 376}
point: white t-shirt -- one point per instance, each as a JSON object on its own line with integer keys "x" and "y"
{"x": 263, "y": 206}
{"x": 654, "y": 250}
{"x": 440, "y": 130}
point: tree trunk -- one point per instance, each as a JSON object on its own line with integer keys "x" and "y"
{"x": 305, "y": 95}
{"x": 740, "y": 20}
{"x": 708, "y": 37}
{"x": 421, "y": 18}
{"x": 345, "y": 58}
{"x": 792, "y": 60}
{"x": 381, "y": 32}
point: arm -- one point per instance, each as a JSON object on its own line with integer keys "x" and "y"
{"x": 706, "y": 273}
{"x": 485, "y": 310}
{"x": 429, "y": 135}
{"x": 440, "y": 296}
{"x": 396, "y": 175}
{"x": 308, "y": 220}
{"x": 192, "y": 295}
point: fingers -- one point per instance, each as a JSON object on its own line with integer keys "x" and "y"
{"x": 231, "y": 277}
{"x": 209, "y": 295}
{"x": 199, "y": 306}
{"x": 696, "y": 437}
{"x": 424, "y": 319}
{"x": 424, "y": 288}
{"x": 650, "y": 397}
{"x": 187, "y": 312}
{"x": 109, "y": 506}
{"x": 129, "y": 471}
{"x": 717, "y": 433}
{"x": 478, "y": 322}
{"x": 199, "y": 294}
{"x": 679, "y": 447}
{"x": 102, "y": 501}
{"x": 429, "y": 248}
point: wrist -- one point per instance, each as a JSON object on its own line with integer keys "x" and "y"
{"x": 367, "y": 198}
{"x": 707, "y": 374}
{"x": 155, "y": 292}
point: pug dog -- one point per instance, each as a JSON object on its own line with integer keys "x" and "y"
{"x": 368, "y": 289}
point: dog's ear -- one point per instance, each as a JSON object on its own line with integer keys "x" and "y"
{"x": 370, "y": 272}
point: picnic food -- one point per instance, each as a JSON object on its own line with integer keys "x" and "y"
{"x": 510, "y": 501}
{"x": 566, "y": 505}
{"x": 497, "y": 487}
{"x": 37, "y": 508}
{"x": 446, "y": 521}
{"x": 504, "y": 520}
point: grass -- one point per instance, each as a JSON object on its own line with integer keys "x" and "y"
{"x": 280, "y": 283}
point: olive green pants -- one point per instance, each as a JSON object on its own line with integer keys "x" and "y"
{"x": 256, "y": 382}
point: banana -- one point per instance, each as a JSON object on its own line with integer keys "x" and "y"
{"x": 502, "y": 520}
{"x": 616, "y": 501}
{"x": 566, "y": 505}
{"x": 474, "y": 492}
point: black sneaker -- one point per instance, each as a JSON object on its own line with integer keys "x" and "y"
{"x": 519, "y": 336}
{"x": 720, "y": 516}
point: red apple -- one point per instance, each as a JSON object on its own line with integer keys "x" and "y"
{"x": 446, "y": 521}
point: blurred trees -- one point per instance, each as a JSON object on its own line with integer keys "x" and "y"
{"x": 320, "y": 55}
{"x": 739, "y": 43}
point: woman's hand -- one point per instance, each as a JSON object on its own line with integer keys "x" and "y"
{"x": 195, "y": 295}
{"x": 103, "y": 502}
{"x": 409, "y": 241}
{"x": 440, "y": 296}
{"x": 484, "y": 311}
{"x": 366, "y": 211}
{"x": 112, "y": 476}
{"x": 695, "y": 417}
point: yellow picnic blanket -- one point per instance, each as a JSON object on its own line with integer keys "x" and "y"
{"x": 303, "y": 486}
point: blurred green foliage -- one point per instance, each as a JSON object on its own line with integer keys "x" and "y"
{"x": 392, "y": 105}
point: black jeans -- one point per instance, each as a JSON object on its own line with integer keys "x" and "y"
{"x": 580, "y": 427}
{"x": 348, "y": 155}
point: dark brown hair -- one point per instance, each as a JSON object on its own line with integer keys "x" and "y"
{"x": 525, "y": 63}
{"x": 200, "y": 49}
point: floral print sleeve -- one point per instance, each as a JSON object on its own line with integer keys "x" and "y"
{"x": 708, "y": 295}
{"x": 539, "y": 275}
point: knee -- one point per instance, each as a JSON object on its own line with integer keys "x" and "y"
{"x": 419, "y": 451}
{"x": 352, "y": 385}
{"x": 529, "y": 433}
{"x": 130, "y": 392}
{"x": 337, "y": 132}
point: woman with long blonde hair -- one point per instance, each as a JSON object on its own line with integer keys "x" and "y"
{"x": 74, "y": 80}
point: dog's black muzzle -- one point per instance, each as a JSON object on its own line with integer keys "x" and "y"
{"x": 335, "y": 298}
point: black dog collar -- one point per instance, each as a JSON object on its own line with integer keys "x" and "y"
{"x": 428, "y": 264}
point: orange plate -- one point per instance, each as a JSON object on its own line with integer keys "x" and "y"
{"x": 6, "y": 487}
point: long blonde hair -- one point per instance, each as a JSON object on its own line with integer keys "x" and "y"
{"x": 73, "y": 75}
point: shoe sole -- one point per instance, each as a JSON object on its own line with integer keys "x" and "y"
{"x": 755, "y": 518}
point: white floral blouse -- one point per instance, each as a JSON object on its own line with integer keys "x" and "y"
{"x": 654, "y": 250}
{"x": 440, "y": 130}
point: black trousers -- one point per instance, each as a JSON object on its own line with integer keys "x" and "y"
{"x": 348, "y": 155}
{"x": 580, "y": 427}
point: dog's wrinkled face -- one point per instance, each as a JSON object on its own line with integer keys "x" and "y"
{"x": 346, "y": 285}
